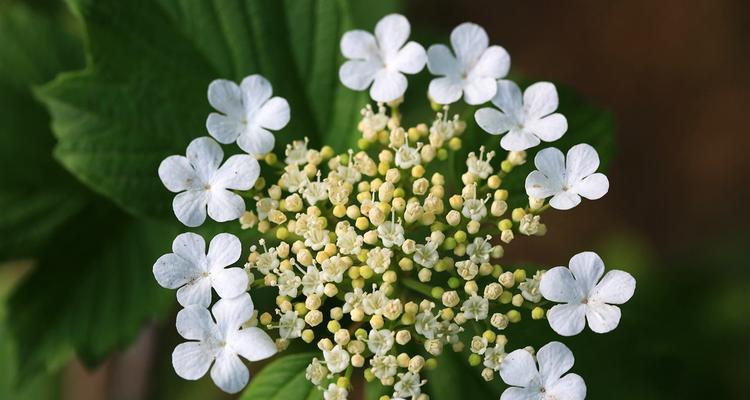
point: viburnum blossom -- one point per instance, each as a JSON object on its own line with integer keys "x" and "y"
{"x": 586, "y": 297}
{"x": 385, "y": 256}
{"x": 381, "y": 60}
{"x": 195, "y": 273}
{"x": 248, "y": 113}
{"x": 528, "y": 120}
{"x": 566, "y": 179}
{"x": 471, "y": 72}
{"x": 548, "y": 381}
{"x": 220, "y": 343}
{"x": 200, "y": 182}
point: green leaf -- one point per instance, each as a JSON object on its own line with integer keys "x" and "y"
{"x": 90, "y": 291}
{"x": 38, "y": 195}
{"x": 455, "y": 379}
{"x": 283, "y": 379}
{"x": 142, "y": 95}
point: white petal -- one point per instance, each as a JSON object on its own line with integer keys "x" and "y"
{"x": 493, "y": 121}
{"x": 190, "y": 207}
{"x": 549, "y": 128}
{"x": 177, "y": 174}
{"x": 469, "y": 41}
{"x": 191, "y": 247}
{"x": 588, "y": 268}
{"x": 509, "y": 99}
{"x": 230, "y": 282}
{"x": 253, "y": 343}
{"x": 230, "y": 314}
{"x": 558, "y": 285}
{"x": 602, "y": 317}
{"x": 517, "y": 393}
{"x": 256, "y": 141}
{"x": 479, "y": 90}
{"x": 392, "y": 31}
{"x": 494, "y": 63}
{"x": 256, "y": 90}
{"x": 441, "y": 61}
{"x": 617, "y": 287}
{"x": 593, "y": 187}
{"x": 223, "y": 128}
{"x": 229, "y": 373}
{"x": 224, "y": 250}
{"x": 582, "y": 160}
{"x": 445, "y": 90}
{"x": 565, "y": 200}
{"x": 551, "y": 162}
{"x": 518, "y": 368}
{"x": 359, "y": 44}
{"x": 570, "y": 387}
{"x": 197, "y": 292}
{"x": 225, "y": 96}
{"x": 540, "y": 99}
{"x": 388, "y": 85}
{"x": 191, "y": 360}
{"x": 224, "y": 205}
{"x": 172, "y": 271}
{"x": 204, "y": 155}
{"x": 239, "y": 172}
{"x": 567, "y": 319}
{"x": 194, "y": 323}
{"x": 540, "y": 186}
{"x": 410, "y": 59}
{"x": 274, "y": 114}
{"x": 555, "y": 359}
{"x": 517, "y": 140}
{"x": 357, "y": 74}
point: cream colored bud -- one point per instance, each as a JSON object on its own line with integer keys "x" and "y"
{"x": 337, "y": 313}
{"x": 355, "y": 347}
{"x": 473, "y": 227}
{"x": 507, "y": 279}
{"x": 341, "y": 337}
{"x": 499, "y": 321}
{"x": 377, "y": 216}
{"x": 471, "y": 287}
{"x": 409, "y": 246}
{"x": 281, "y": 344}
{"x": 293, "y": 203}
{"x": 438, "y": 191}
{"x": 433, "y": 346}
{"x": 517, "y": 300}
{"x": 497, "y": 251}
{"x": 535, "y": 203}
{"x": 420, "y": 186}
{"x": 277, "y": 217}
{"x": 393, "y": 309}
{"x": 453, "y": 218}
{"x": 283, "y": 250}
{"x": 376, "y": 321}
{"x": 506, "y": 236}
{"x": 427, "y": 153}
{"x": 460, "y": 319}
{"x": 517, "y": 157}
{"x": 450, "y": 298}
{"x": 416, "y": 364}
{"x": 398, "y": 204}
{"x": 467, "y": 269}
{"x": 274, "y": 192}
{"x": 325, "y": 344}
{"x": 488, "y": 374}
{"x": 493, "y": 291}
{"x": 468, "y": 178}
{"x": 498, "y": 208}
{"x": 357, "y": 315}
{"x": 312, "y": 302}
{"x": 397, "y": 138}
{"x": 411, "y": 307}
{"x": 403, "y": 337}
{"x": 385, "y": 191}
{"x": 456, "y": 201}
{"x": 330, "y": 290}
{"x": 314, "y": 317}
{"x": 358, "y": 361}
{"x": 403, "y": 360}
{"x": 304, "y": 257}
{"x": 269, "y": 280}
{"x": 469, "y": 192}
{"x": 424, "y": 275}
{"x": 371, "y": 237}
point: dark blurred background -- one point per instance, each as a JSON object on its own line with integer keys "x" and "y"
{"x": 674, "y": 73}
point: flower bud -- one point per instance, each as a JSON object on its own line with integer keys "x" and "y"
{"x": 506, "y": 236}
{"x": 416, "y": 363}
{"x": 341, "y": 337}
{"x": 488, "y": 374}
{"x": 403, "y": 337}
{"x": 493, "y": 291}
{"x": 507, "y": 279}
{"x": 420, "y": 186}
{"x": 450, "y": 298}
{"x": 499, "y": 321}
{"x": 433, "y": 346}
{"x": 498, "y": 208}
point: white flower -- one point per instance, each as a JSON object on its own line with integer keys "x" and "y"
{"x": 474, "y": 209}
{"x": 547, "y": 382}
{"x": 494, "y": 356}
{"x": 379, "y": 259}
{"x": 335, "y": 392}
{"x": 409, "y": 385}
{"x": 380, "y": 341}
{"x": 195, "y": 273}
{"x": 426, "y": 254}
{"x": 288, "y": 283}
{"x": 391, "y": 233}
{"x": 426, "y": 324}
{"x": 199, "y": 182}
{"x": 337, "y": 359}
{"x": 475, "y": 307}
{"x": 333, "y": 268}
{"x": 312, "y": 281}
{"x": 353, "y": 300}
{"x": 348, "y": 241}
{"x": 566, "y": 180}
{"x": 530, "y": 288}
{"x": 290, "y": 325}
{"x": 479, "y": 250}
{"x": 527, "y": 120}
{"x": 221, "y": 341}
{"x": 384, "y": 367}
{"x": 471, "y": 72}
{"x": 316, "y": 372}
{"x": 248, "y": 113}
{"x": 381, "y": 60}
{"x": 586, "y": 299}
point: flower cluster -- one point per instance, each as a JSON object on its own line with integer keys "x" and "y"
{"x": 374, "y": 255}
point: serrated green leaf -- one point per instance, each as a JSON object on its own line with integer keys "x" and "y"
{"x": 38, "y": 194}
{"x": 283, "y": 379}
{"x": 90, "y": 291}
{"x": 142, "y": 96}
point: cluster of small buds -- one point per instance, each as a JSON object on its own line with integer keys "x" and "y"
{"x": 373, "y": 254}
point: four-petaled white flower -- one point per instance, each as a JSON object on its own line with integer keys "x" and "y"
{"x": 547, "y": 382}
{"x": 528, "y": 119}
{"x": 566, "y": 179}
{"x": 199, "y": 182}
{"x": 221, "y": 341}
{"x": 248, "y": 113}
{"x": 585, "y": 296}
{"x": 473, "y": 70}
{"x": 381, "y": 60}
{"x": 194, "y": 272}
